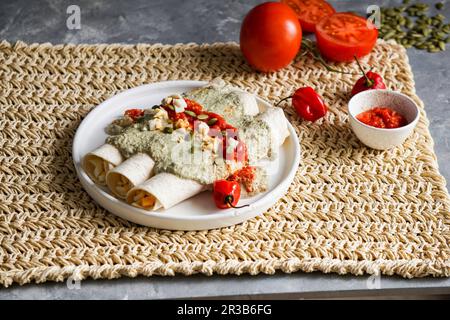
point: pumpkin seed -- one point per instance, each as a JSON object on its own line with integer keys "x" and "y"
{"x": 389, "y": 35}
{"x": 390, "y": 13}
{"x": 440, "y": 35}
{"x": 420, "y": 46}
{"x": 212, "y": 121}
{"x": 168, "y": 130}
{"x": 426, "y": 32}
{"x": 202, "y": 116}
{"x": 190, "y": 113}
{"x": 422, "y": 6}
{"x": 423, "y": 32}
{"x": 437, "y": 23}
{"x": 439, "y": 5}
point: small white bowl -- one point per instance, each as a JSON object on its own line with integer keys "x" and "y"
{"x": 382, "y": 138}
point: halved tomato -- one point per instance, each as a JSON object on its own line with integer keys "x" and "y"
{"x": 344, "y": 35}
{"x": 310, "y": 12}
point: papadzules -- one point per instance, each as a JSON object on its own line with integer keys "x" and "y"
{"x": 149, "y": 177}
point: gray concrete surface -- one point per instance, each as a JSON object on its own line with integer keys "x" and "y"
{"x": 174, "y": 21}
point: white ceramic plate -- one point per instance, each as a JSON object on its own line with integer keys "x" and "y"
{"x": 199, "y": 212}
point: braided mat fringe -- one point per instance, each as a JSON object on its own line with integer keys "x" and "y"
{"x": 350, "y": 209}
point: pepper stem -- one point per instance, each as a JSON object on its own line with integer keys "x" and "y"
{"x": 284, "y": 99}
{"x": 229, "y": 201}
{"x": 369, "y": 82}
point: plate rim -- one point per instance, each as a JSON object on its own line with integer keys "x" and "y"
{"x": 227, "y": 213}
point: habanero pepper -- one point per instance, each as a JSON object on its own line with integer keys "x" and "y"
{"x": 226, "y": 194}
{"x": 368, "y": 81}
{"x": 308, "y": 104}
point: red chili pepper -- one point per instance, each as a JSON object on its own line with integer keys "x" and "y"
{"x": 226, "y": 194}
{"x": 308, "y": 104}
{"x": 368, "y": 81}
{"x": 134, "y": 113}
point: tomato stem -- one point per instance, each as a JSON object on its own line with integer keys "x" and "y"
{"x": 369, "y": 83}
{"x": 284, "y": 99}
{"x": 306, "y": 43}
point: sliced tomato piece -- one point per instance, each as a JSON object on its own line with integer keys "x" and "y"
{"x": 310, "y": 12}
{"x": 343, "y": 35}
{"x": 134, "y": 113}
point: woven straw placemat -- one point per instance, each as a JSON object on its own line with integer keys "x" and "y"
{"x": 350, "y": 209}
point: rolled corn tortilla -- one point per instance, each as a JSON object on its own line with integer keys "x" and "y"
{"x": 278, "y": 124}
{"x": 130, "y": 173}
{"x": 163, "y": 190}
{"x": 98, "y": 162}
{"x": 247, "y": 100}
{"x": 249, "y": 103}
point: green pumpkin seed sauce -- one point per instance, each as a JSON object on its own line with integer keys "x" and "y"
{"x": 184, "y": 154}
{"x": 220, "y": 100}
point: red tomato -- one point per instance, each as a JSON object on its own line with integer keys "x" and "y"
{"x": 343, "y": 35}
{"x": 270, "y": 36}
{"x": 134, "y": 113}
{"x": 310, "y": 12}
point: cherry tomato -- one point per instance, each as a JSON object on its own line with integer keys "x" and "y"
{"x": 342, "y": 36}
{"x": 310, "y": 12}
{"x": 270, "y": 36}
